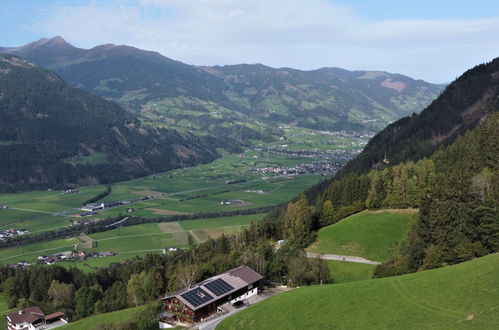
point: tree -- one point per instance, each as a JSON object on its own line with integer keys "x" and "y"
{"x": 143, "y": 287}
{"x": 298, "y": 221}
{"x": 85, "y": 299}
{"x": 61, "y": 294}
{"x": 11, "y": 290}
{"x": 327, "y": 216}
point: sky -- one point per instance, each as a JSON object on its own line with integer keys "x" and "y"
{"x": 431, "y": 40}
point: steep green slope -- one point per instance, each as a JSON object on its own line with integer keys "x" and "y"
{"x": 49, "y": 129}
{"x": 370, "y": 235}
{"x": 325, "y": 98}
{"x": 463, "y": 296}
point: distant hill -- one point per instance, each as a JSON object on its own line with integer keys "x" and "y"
{"x": 53, "y": 135}
{"x": 328, "y": 98}
{"x": 462, "y": 296}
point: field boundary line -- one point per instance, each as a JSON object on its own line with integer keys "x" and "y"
{"x": 128, "y": 236}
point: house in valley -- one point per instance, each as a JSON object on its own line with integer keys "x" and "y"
{"x": 205, "y": 299}
{"x": 33, "y": 318}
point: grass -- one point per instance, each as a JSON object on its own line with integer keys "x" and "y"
{"x": 221, "y": 222}
{"x": 463, "y": 296}
{"x": 341, "y": 272}
{"x": 4, "y": 310}
{"x": 32, "y": 251}
{"x": 366, "y": 234}
{"x": 131, "y": 241}
{"x": 94, "y": 322}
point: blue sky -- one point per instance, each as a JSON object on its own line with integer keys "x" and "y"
{"x": 431, "y": 40}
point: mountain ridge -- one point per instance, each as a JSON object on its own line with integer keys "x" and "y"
{"x": 323, "y": 98}
{"x": 49, "y": 130}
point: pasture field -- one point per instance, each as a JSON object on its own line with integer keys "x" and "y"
{"x": 463, "y": 296}
{"x": 341, "y": 271}
{"x": 190, "y": 190}
{"x": 240, "y": 220}
{"x": 93, "y": 264}
{"x": 95, "y": 322}
{"x": 368, "y": 234}
{"x": 130, "y": 241}
{"x": 32, "y": 251}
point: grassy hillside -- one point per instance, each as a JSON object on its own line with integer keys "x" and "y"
{"x": 341, "y": 272}
{"x": 4, "y": 310}
{"x": 367, "y": 234}
{"x": 463, "y": 296}
{"x": 94, "y": 322}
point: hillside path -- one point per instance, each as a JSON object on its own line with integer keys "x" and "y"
{"x": 342, "y": 258}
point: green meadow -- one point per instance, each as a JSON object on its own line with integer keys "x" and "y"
{"x": 341, "y": 271}
{"x": 96, "y": 321}
{"x": 32, "y": 251}
{"x": 366, "y": 234}
{"x": 463, "y": 296}
{"x": 4, "y": 310}
{"x": 190, "y": 190}
{"x": 130, "y": 241}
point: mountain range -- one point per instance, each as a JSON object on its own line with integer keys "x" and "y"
{"x": 53, "y": 134}
{"x": 140, "y": 81}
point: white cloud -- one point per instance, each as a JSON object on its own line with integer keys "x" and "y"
{"x": 296, "y": 33}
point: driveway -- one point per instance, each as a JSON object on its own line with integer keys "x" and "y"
{"x": 340, "y": 257}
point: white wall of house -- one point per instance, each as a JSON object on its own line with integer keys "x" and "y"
{"x": 164, "y": 325}
{"x": 246, "y": 295}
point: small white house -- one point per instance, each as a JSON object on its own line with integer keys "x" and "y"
{"x": 33, "y": 318}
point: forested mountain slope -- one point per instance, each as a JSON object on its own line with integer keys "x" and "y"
{"x": 52, "y": 134}
{"x": 456, "y": 190}
{"x": 462, "y": 105}
{"x": 327, "y": 98}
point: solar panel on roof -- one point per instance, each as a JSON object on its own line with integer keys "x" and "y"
{"x": 219, "y": 287}
{"x": 196, "y": 297}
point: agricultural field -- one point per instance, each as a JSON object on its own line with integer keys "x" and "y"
{"x": 233, "y": 178}
{"x": 184, "y": 191}
{"x": 462, "y": 296}
{"x": 130, "y": 241}
{"x": 368, "y": 234}
{"x": 32, "y": 251}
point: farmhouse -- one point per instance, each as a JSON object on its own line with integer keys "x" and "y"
{"x": 204, "y": 299}
{"x": 32, "y": 318}
{"x": 92, "y": 207}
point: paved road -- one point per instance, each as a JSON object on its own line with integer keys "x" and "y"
{"x": 342, "y": 258}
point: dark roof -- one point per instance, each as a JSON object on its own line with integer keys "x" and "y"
{"x": 56, "y": 315}
{"x": 217, "y": 287}
{"x": 246, "y": 274}
{"x": 29, "y": 315}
